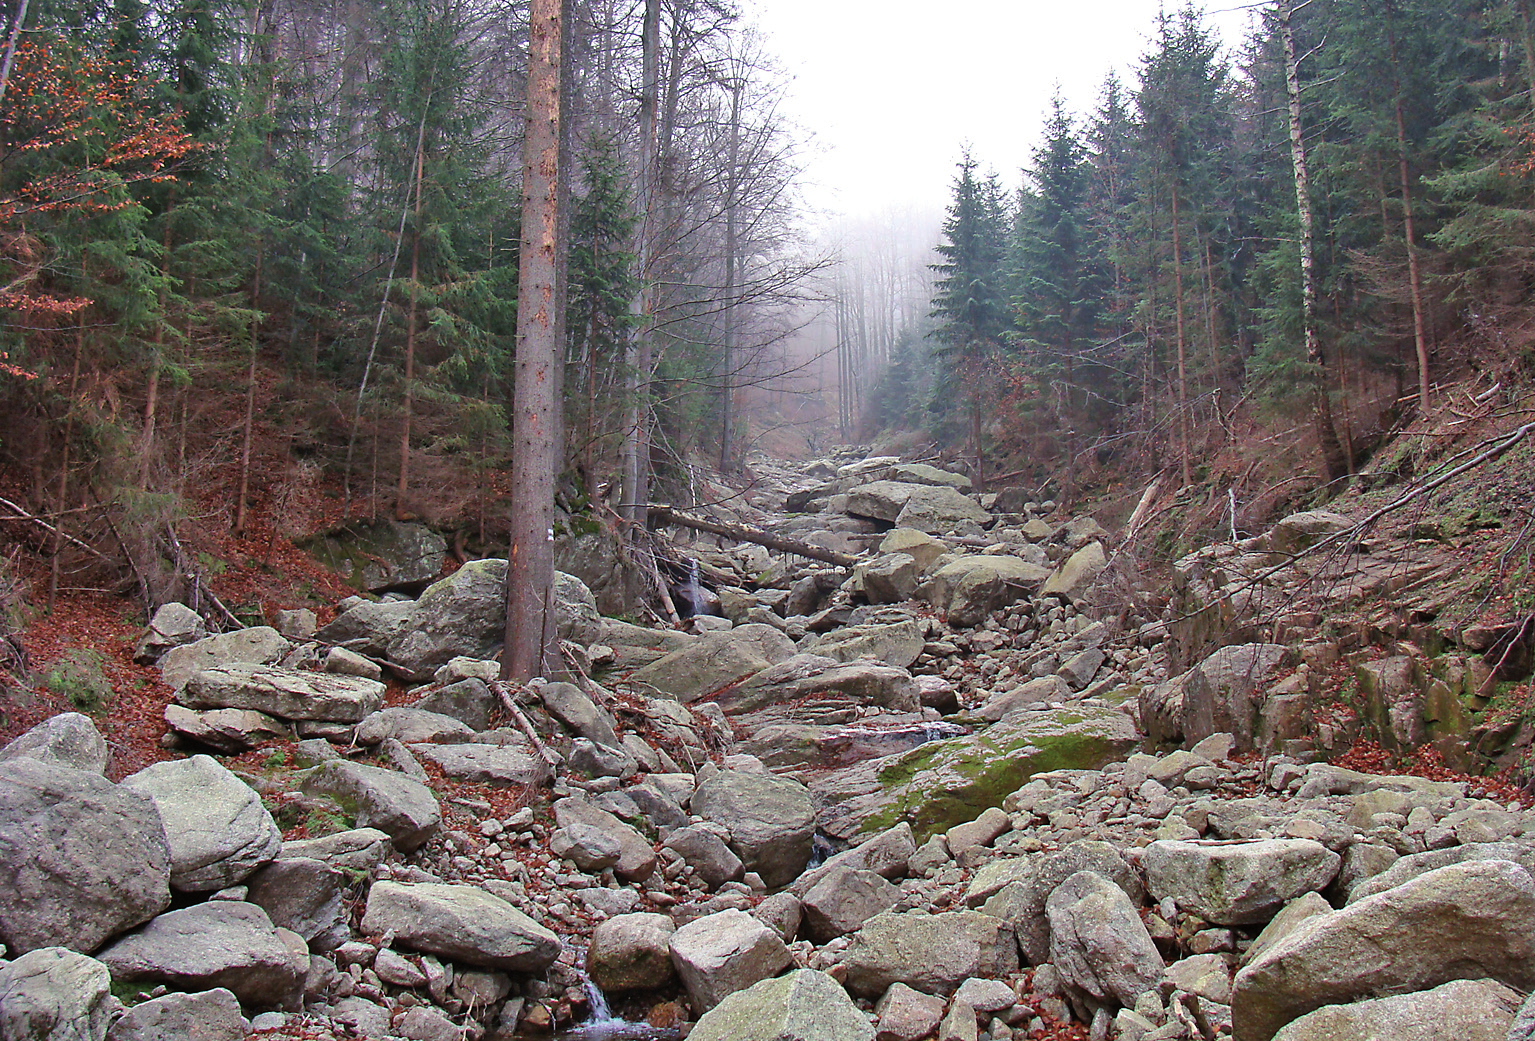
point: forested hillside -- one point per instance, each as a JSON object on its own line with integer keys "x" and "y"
{"x": 1321, "y": 232}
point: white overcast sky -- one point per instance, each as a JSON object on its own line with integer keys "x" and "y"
{"x": 892, "y": 90}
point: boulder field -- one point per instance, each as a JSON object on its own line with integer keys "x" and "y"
{"x": 975, "y": 787}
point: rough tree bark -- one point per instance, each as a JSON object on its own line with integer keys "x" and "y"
{"x": 636, "y": 439}
{"x": 530, "y": 562}
{"x": 1332, "y": 451}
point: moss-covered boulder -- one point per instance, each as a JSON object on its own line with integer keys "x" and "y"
{"x": 945, "y": 783}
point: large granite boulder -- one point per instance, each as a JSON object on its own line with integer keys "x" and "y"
{"x": 1226, "y": 693}
{"x": 258, "y": 645}
{"x": 724, "y": 952}
{"x": 209, "y": 1015}
{"x": 943, "y": 783}
{"x": 1241, "y": 883}
{"x": 410, "y": 726}
{"x": 464, "y": 615}
{"x": 219, "y": 831}
{"x": 888, "y": 579}
{"x": 1077, "y": 573}
{"x": 504, "y": 766}
{"x": 368, "y": 626}
{"x": 68, "y": 739}
{"x": 897, "y": 644}
{"x": 401, "y": 807}
{"x": 1300, "y": 531}
{"x": 1468, "y": 1010}
{"x": 771, "y": 821}
{"x": 631, "y": 952}
{"x": 843, "y": 900}
{"x": 714, "y": 661}
{"x": 804, "y": 1005}
{"x": 1468, "y": 921}
{"x": 469, "y": 700}
{"x": 817, "y": 676}
{"x": 303, "y": 895}
{"x": 385, "y": 556}
{"x": 933, "y": 953}
{"x": 54, "y": 994}
{"x": 1099, "y": 945}
{"x": 919, "y": 545}
{"x": 82, "y": 858}
{"x": 970, "y": 588}
{"x": 569, "y": 704}
{"x": 227, "y": 730}
{"x": 939, "y": 510}
{"x": 598, "y": 561}
{"x": 173, "y": 625}
{"x": 464, "y": 923}
{"x": 881, "y": 500}
{"x": 707, "y": 854}
{"x": 636, "y": 860}
{"x": 221, "y": 943}
{"x": 286, "y": 693}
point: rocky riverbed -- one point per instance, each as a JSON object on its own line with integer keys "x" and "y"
{"x": 980, "y": 786}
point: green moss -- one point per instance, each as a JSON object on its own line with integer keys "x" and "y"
{"x": 79, "y": 676}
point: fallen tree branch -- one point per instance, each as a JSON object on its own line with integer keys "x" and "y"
{"x": 22, "y": 514}
{"x": 741, "y": 533}
{"x": 503, "y": 689}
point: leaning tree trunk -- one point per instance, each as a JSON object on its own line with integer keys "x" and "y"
{"x": 1414, "y": 274}
{"x": 530, "y": 562}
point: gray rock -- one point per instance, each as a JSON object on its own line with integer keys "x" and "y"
{"x": 282, "y": 692}
{"x": 843, "y": 900}
{"x": 1410, "y": 867}
{"x": 368, "y": 626}
{"x": 907, "y": 1015}
{"x": 1075, "y": 575}
{"x": 567, "y": 703}
{"x": 937, "y": 510}
{"x": 1476, "y": 1010}
{"x": 218, "y": 830}
{"x": 636, "y": 862}
{"x": 259, "y": 644}
{"x": 632, "y": 952}
{"x": 659, "y": 806}
{"x": 591, "y": 849}
{"x": 1099, "y": 945}
{"x": 470, "y": 701}
{"x": 68, "y": 739}
{"x": 1243, "y": 883}
{"x": 173, "y": 625}
{"x": 402, "y": 808}
{"x": 211, "y": 1015}
{"x": 1472, "y": 920}
{"x": 921, "y": 473}
{"x": 1027, "y": 697}
{"x": 83, "y": 859}
{"x": 919, "y": 545}
{"x": 499, "y": 765}
{"x": 707, "y": 854}
{"x": 986, "y": 995}
{"x": 883, "y": 500}
{"x": 1299, "y": 531}
{"x": 302, "y": 895}
{"x": 713, "y": 661}
{"x": 464, "y": 923}
{"x": 343, "y": 662}
{"x": 725, "y": 952}
{"x": 897, "y": 644}
{"x": 297, "y": 625}
{"x": 804, "y": 1005}
{"x": 358, "y": 851}
{"x": 889, "y": 579}
{"x": 1523, "y": 1026}
{"x": 970, "y": 588}
{"x": 1225, "y": 693}
{"x": 222, "y": 943}
{"x": 781, "y": 913}
{"x": 886, "y": 854}
{"x": 411, "y": 725}
{"x": 771, "y": 821}
{"x": 1286, "y": 922}
{"x": 933, "y": 953}
{"x": 465, "y": 615}
{"x": 227, "y": 730}
{"x": 959, "y": 1024}
{"x": 53, "y": 994}
{"x": 383, "y": 556}
{"x": 818, "y": 676}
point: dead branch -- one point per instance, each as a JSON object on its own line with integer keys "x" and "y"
{"x": 32, "y": 518}
{"x": 741, "y": 533}
{"x": 503, "y": 689}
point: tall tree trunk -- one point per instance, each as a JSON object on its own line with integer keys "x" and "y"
{"x": 1183, "y": 380}
{"x": 250, "y": 406}
{"x": 10, "y": 47}
{"x": 727, "y": 421}
{"x": 530, "y": 562}
{"x": 1333, "y": 456}
{"x": 1414, "y": 275}
{"x": 636, "y": 439}
{"x": 408, "y": 407}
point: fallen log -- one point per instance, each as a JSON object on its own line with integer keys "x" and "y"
{"x": 741, "y": 533}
